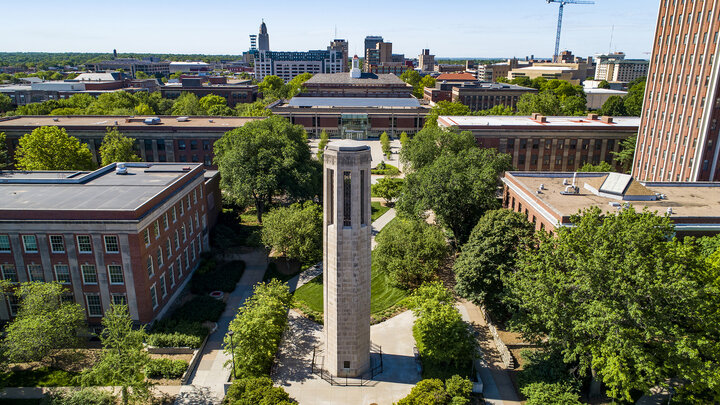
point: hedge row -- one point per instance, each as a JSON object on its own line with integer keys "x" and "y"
{"x": 165, "y": 368}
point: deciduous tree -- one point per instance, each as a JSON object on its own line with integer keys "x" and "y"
{"x": 627, "y": 153}
{"x": 431, "y": 142}
{"x": 5, "y": 160}
{"x": 385, "y": 144}
{"x": 295, "y": 231}
{"x": 44, "y": 324}
{"x": 388, "y": 188}
{"x": 445, "y": 108}
{"x": 614, "y": 106}
{"x": 324, "y": 139}
{"x": 51, "y": 148}
{"x": 488, "y": 256}
{"x": 117, "y": 148}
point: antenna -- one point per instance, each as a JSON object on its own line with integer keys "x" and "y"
{"x": 612, "y": 31}
{"x": 335, "y": 32}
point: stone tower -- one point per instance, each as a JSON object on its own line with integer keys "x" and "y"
{"x": 263, "y": 38}
{"x": 346, "y": 258}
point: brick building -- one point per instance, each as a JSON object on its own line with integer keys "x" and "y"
{"x": 539, "y": 143}
{"x": 678, "y": 138}
{"x": 173, "y": 139}
{"x": 108, "y": 236}
{"x": 241, "y": 91}
{"x": 367, "y": 85}
{"x": 548, "y": 199}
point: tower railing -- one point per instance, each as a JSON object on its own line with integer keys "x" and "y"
{"x": 376, "y": 367}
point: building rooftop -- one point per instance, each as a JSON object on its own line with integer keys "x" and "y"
{"x": 694, "y": 205}
{"x": 469, "y": 122}
{"x": 308, "y": 102}
{"x": 547, "y": 68}
{"x": 455, "y": 77}
{"x": 97, "y": 77}
{"x": 365, "y": 79}
{"x": 123, "y": 121}
{"x": 595, "y": 90}
{"x": 100, "y": 190}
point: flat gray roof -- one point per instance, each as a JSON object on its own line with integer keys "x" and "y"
{"x": 526, "y": 121}
{"x": 102, "y": 189}
{"x": 353, "y": 102}
{"x": 365, "y": 79}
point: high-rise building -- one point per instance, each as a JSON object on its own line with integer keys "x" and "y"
{"x": 379, "y": 56}
{"x": 287, "y": 65}
{"x": 342, "y": 46}
{"x": 615, "y": 68}
{"x": 678, "y": 135}
{"x": 371, "y": 42}
{"x": 426, "y": 61}
{"x": 263, "y": 38}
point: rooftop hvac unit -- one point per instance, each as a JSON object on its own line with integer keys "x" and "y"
{"x": 152, "y": 121}
{"x": 182, "y": 119}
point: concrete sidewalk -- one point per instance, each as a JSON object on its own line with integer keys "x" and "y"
{"x": 380, "y": 223}
{"x": 207, "y": 382}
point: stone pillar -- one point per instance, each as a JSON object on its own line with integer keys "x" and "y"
{"x": 346, "y": 258}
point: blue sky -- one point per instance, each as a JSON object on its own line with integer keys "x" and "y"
{"x": 450, "y": 28}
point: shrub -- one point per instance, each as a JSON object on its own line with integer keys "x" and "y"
{"x": 556, "y": 393}
{"x": 385, "y": 169}
{"x": 220, "y": 278}
{"x": 85, "y": 396}
{"x": 259, "y": 391}
{"x": 165, "y": 368}
{"x": 177, "y": 333}
{"x": 200, "y": 309}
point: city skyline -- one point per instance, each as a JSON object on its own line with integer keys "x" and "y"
{"x": 485, "y": 30}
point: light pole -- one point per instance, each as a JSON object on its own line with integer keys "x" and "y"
{"x": 232, "y": 351}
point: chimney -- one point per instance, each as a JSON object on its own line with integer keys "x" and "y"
{"x": 606, "y": 119}
{"x": 592, "y": 117}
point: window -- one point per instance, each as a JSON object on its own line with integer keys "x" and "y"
{"x": 159, "y": 256}
{"x": 153, "y": 297}
{"x": 119, "y": 299}
{"x": 181, "y": 144}
{"x": 171, "y": 273}
{"x": 184, "y": 232}
{"x": 62, "y": 273}
{"x": 111, "y": 244}
{"x": 157, "y": 229}
{"x": 206, "y": 144}
{"x": 182, "y": 208}
{"x": 146, "y": 236}
{"x": 188, "y": 201}
{"x": 9, "y": 273}
{"x": 84, "y": 244}
{"x": 165, "y": 221}
{"x": 35, "y": 272}
{"x": 174, "y": 214}
{"x": 150, "y": 267}
{"x": 94, "y": 306}
{"x": 190, "y": 226}
{"x": 187, "y": 259}
{"x": 30, "y": 243}
{"x": 195, "y": 196}
{"x": 331, "y": 196}
{"x": 347, "y": 198}
{"x": 4, "y": 243}
{"x": 89, "y": 274}
{"x": 179, "y": 267}
{"x": 163, "y": 287}
{"x": 116, "y": 274}
{"x": 13, "y": 304}
{"x": 57, "y": 245}
{"x": 192, "y": 250}
{"x": 197, "y": 221}
{"x": 177, "y": 239}
{"x": 193, "y": 144}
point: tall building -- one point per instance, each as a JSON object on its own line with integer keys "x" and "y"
{"x": 263, "y": 38}
{"x": 371, "y": 42}
{"x": 346, "y": 258}
{"x": 287, "y": 65}
{"x": 678, "y": 136}
{"x": 426, "y": 61}
{"x": 342, "y": 46}
{"x": 615, "y": 68}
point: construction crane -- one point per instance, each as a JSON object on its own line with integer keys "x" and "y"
{"x": 560, "y": 14}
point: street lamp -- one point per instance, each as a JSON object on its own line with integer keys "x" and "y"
{"x": 232, "y": 351}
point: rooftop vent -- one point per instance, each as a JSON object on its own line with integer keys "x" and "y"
{"x": 669, "y": 211}
{"x": 56, "y": 119}
{"x": 121, "y": 168}
{"x": 606, "y": 119}
{"x": 211, "y": 121}
{"x": 592, "y": 116}
{"x": 182, "y": 119}
{"x": 152, "y": 121}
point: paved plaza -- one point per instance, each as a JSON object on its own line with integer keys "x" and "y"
{"x": 399, "y": 374}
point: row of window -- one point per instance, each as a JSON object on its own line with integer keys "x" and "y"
{"x": 162, "y": 282}
{"x": 57, "y": 244}
{"x": 93, "y": 303}
{"x": 88, "y": 273}
{"x": 194, "y": 250}
{"x": 173, "y": 215}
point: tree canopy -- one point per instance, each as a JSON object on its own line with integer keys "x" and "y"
{"x": 431, "y": 142}
{"x": 295, "y": 231}
{"x": 616, "y": 294}
{"x": 265, "y": 158}
{"x": 51, "y": 148}
{"x": 488, "y": 256}
{"x": 627, "y": 153}
{"x": 5, "y": 159}
{"x": 116, "y": 147}
{"x": 389, "y": 188}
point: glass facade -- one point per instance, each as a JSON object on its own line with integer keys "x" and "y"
{"x": 354, "y": 126}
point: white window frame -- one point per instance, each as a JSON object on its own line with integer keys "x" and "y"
{"x": 10, "y": 298}
{"x": 146, "y": 236}
{"x": 171, "y": 273}
{"x": 82, "y": 274}
{"x": 150, "y": 266}
{"x": 163, "y": 286}
{"x": 123, "y": 296}
{"x": 174, "y": 214}
{"x": 35, "y": 267}
{"x": 180, "y": 267}
{"x": 177, "y": 240}
{"x": 166, "y": 222}
{"x": 110, "y": 274}
{"x": 160, "y": 257}
{"x": 79, "y": 244}
{"x": 52, "y": 244}
{"x": 87, "y": 305}
{"x": 117, "y": 243}
{"x": 156, "y": 228}
{"x": 153, "y": 297}
{"x": 2, "y": 246}
{"x": 57, "y": 277}
{"x": 168, "y": 247}
{"x": 9, "y": 266}
{"x": 25, "y": 243}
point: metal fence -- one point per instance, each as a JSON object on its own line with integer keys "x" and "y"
{"x": 376, "y": 367}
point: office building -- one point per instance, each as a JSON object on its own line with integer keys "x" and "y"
{"x": 190, "y": 67}
{"x": 93, "y": 84}
{"x": 263, "y": 38}
{"x": 172, "y": 139}
{"x": 287, "y": 65}
{"x": 371, "y": 42}
{"x": 379, "y": 56}
{"x": 678, "y": 138}
{"x": 539, "y": 143}
{"x": 491, "y": 72}
{"x": 132, "y": 236}
{"x": 596, "y": 97}
{"x": 549, "y": 199}
{"x": 342, "y": 46}
{"x": 426, "y": 61}
{"x": 615, "y": 68}
{"x": 238, "y": 91}
{"x": 148, "y": 66}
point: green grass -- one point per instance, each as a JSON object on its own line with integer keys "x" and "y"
{"x": 39, "y": 377}
{"x": 377, "y": 210}
{"x": 389, "y": 170}
{"x": 383, "y": 296}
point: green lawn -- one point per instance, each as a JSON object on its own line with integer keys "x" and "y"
{"x": 383, "y": 296}
{"x": 377, "y": 210}
{"x": 40, "y": 377}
